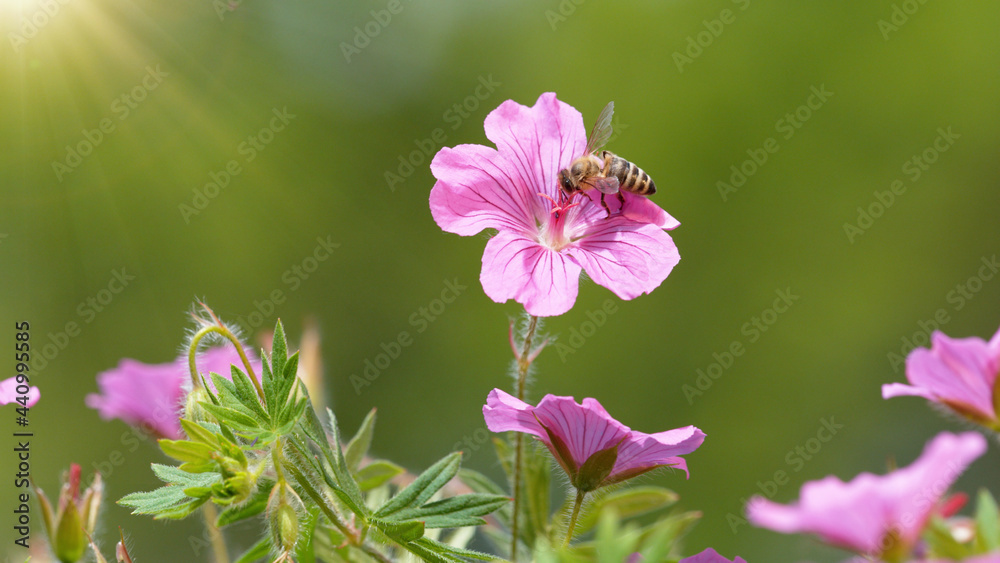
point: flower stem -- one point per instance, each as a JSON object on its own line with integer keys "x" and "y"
{"x": 193, "y": 350}
{"x": 523, "y": 363}
{"x": 572, "y": 520}
{"x": 218, "y": 542}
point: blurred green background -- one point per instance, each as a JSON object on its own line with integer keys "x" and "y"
{"x": 181, "y": 86}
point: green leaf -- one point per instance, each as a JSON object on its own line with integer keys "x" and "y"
{"x": 454, "y": 512}
{"x": 660, "y": 540}
{"x": 197, "y": 433}
{"x": 226, "y": 389}
{"x": 505, "y": 453}
{"x": 453, "y": 553}
{"x": 359, "y": 444}
{"x": 482, "y": 484}
{"x": 247, "y": 394}
{"x": 258, "y": 551}
{"x": 255, "y": 505}
{"x": 239, "y": 419}
{"x": 376, "y": 474}
{"x": 185, "y": 450}
{"x": 400, "y": 532}
{"x": 421, "y": 489}
{"x": 627, "y": 503}
{"x": 344, "y": 477}
{"x": 536, "y": 504}
{"x": 304, "y": 550}
{"x": 941, "y": 541}
{"x": 176, "y": 476}
{"x": 165, "y": 502}
{"x": 613, "y": 542}
{"x": 279, "y": 349}
{"x": 987, "y": 522}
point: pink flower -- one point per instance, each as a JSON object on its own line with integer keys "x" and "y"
{"x": 594, "y": 449}
{"x": 875, "y": 515}
{"x": 710, "y": 556}
{"x": 541, "y": 247}
{"x": 151, "y": 396}
{"x": 9, "y": 394}
{"x": 957, "y": 372}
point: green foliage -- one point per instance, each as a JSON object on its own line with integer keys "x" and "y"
{"x": 270, "y": 454}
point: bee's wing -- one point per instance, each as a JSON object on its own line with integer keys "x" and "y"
{"x": 602, "y": 129}
{"x": 607, "y": 185}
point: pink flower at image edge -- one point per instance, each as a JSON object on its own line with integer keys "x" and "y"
{"x": 575, "y": 432}
{"x": 151, "y": 395}
{"x": 541, "y": 247}
{"x": 710, "y": 556}
{"x": 958, "y": 372}
{"x": 8, "y": 393}
{"x": 861, "y": 515}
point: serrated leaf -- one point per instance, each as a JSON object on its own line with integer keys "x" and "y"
{"x": 247, "y": 394}
{"x": 627, "y": 503}
{"x": 455, "y": 552}
{"x": 987, "y": 522}
{"x": 165, "y": 502}
{"x": 376, "y": 474}
{"x": 258, "y": 551}
{"x": 225, "y": 389}
{"x": 347, "y": 483}
{"x": 176, "y": 476}
{"x": 279, "y": 349}
{"x": 357, "y": 448}
{"x": 186, "y": 450}
{"x": 454, "y": 512}
{"x": 197, "y": 433}
{"x": 425, "y": 485}
{"x": 400, "y": 532}
{"x": 291, "y": 370}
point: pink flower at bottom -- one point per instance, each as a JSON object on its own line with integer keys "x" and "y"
{"x": 874, "y": 515}
{"x": 542, "y": 246}
{"x": 960, "y": 373}
{"x": 8, "y": 393}
{"x": 710, "y": 556}
{"x": 151, "y": 396}
{"x": 580, "y": 433}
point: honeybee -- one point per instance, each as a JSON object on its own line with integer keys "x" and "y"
{"x": 606, "y": 172}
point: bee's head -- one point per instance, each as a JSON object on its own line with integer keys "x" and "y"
{"x": 566, "y": 182}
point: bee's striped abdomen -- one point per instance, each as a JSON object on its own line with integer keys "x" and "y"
{"x": 631, "y": 178}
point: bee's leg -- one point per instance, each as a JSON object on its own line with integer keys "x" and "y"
{"x": 621, "y": 200}
{"x": 604, "y": 204}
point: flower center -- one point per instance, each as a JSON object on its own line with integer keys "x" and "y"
{"x": 552, "y": 232}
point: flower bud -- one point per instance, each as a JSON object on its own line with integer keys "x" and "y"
{"x": 75, "y": 518}
{"x": 283, "y": 518}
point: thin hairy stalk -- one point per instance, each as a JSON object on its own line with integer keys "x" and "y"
{"x": 322, "y": 503}
{"x": 523, "y": 363}
{"x": 214, "y": 534}
{"x": 572, "y": 520}
{"x": 221, "y": 329}
{"x": 375, "y": 554}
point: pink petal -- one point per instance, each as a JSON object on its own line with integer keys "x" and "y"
{"x": 478, "y": 189}
{"x": 710, "y": 556}
{"x": 539, "y": 141}
{"x": 641, "y": 451}
{"x": 958, "y": 370}
{"x": 504, "y": 413}
{"x": 857, "y": 515}
{"x": 639, "y": 209}
{"x": 890, "y": 390}
{"x": 142, "y": 395}
{"x": 541, "y": 279}
{"x": 8, "y": 393}
{"x": 585, "y": 429}
{"x": 626, "y": 257}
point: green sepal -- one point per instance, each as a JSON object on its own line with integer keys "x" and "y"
{"x": 254, "y": 506}
{"x": 357, "y": 448}
{"x": 987, "y": 523}
{"x": 627, "y": 503}
{"x": 304, "y": 551}
{"x": 423, "y": 487}
{"x": 69, "y": 542}
{"x": 376, "y": 474}
{"x": 596, "y": 469}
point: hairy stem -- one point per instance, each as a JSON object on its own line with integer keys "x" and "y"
{"x": 523, "y": 363}
{"x": 572, "y": 520}
{"x": 214, "y": 534}
{"x": 228, "y": 334}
